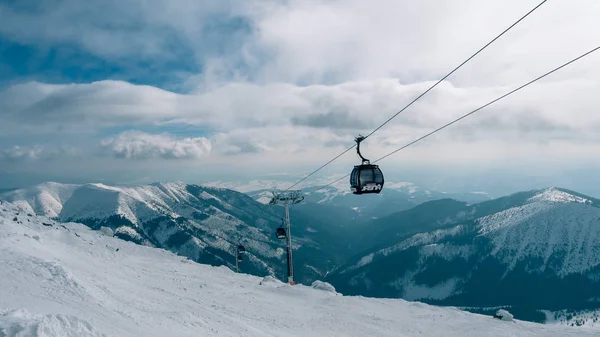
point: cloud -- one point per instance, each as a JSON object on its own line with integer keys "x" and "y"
{"x": 269, "y": 41}
{"x": 349, "y": 106}
{"x": 140, "y": 145}
{"x": 116, "y": 103}
{"x": 278, "y": 141}
{"x": 284, "y": 120}
{"x": 16, "y": 153}
{"x": 353, "y": 40}
{"x": 105, "y": 103}
{"x": 147, "y": 30}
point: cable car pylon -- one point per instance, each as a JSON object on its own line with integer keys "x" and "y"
{"x": 286, "y": 198}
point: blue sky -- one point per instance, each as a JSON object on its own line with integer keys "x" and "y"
{"x": 66, "y": 61}
{"x": 140, "y": 91}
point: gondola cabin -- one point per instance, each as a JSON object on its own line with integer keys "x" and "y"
{"x": 241, "y": 249}
{"x": 239, "y": 258}
{"x": 366, "y": 178}
{"x": 281, "y": 233}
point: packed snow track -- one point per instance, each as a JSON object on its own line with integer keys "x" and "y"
{"x": 67, "y": 280}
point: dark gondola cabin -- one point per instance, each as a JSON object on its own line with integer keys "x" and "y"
{"x": 281, "y": 233}
{"x": 241, "y": 249}
{"x": 366, "y": 177}
{"x": 239, "y": 258}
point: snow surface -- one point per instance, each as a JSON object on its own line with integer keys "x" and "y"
{"x": 325, "y": 286}
{"x": 504, "y": 315}
{"x": 587, "y": 318}
{"x": 67, "y": 280}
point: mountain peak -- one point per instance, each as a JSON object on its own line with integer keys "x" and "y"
{"x": 559, "y": 195}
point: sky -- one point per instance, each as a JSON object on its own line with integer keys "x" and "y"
{"x": 142, "y": 91}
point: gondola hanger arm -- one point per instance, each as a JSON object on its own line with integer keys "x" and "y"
{"x": 359, "y": 139}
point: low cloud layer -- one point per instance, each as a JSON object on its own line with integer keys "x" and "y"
{"x": 17, "y": 153}
{"x": 35, "y": 153}
{"x": 140, "y": 145}
{"x": 317, "y": 121}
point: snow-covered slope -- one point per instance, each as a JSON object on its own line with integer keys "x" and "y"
{"x": 551, "y": 223}
{"x": 538, "y": 250}
{"x": 203, "y": 223}
{"x": 99, "y": 201}
{"x": 44, "y": 199}
{"x": 67, "y": 280}
{"x": 561, "y": 229}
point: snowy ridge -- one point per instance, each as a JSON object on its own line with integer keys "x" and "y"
{"x": 203, "y": 223}
{"x": 551, "y": 224}
{"x": 71, "y": 202}
{"x": 100, "y": 201}
{"x": 67, "y": 280}
{"x": 327, "y": 194}
{"x": 555, "y": 195}
{"x": 415, "y": 240}
{"x": 46, "y": 199}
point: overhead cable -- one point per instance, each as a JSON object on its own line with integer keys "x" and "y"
{"x": 478, "y": 109}
{"x": 421, "y": 95}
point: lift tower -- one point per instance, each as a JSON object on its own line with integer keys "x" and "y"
{"x": 286, "y": 198}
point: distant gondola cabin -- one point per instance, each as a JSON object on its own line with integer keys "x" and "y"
{"x": 281, "y": 233}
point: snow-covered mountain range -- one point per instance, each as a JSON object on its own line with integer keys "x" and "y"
{"x": 202, "y": 223}
{"x": 528, "y": 246}
{"x": 537, "y": 250}
{"x": 63, "y": 279}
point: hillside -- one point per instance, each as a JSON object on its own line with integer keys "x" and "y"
{"x": 537, "y": 250}
{"x": 202, "y": 223}
{"x": 63, "y": 279}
